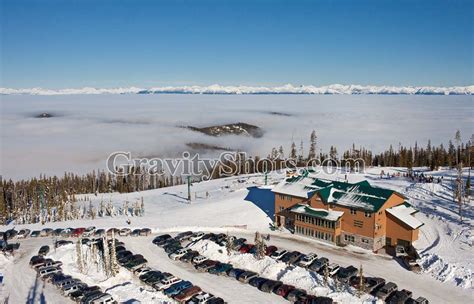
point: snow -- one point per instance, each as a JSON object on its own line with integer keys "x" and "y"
{"x": 405, "y": 214}
{"x": 123, "y": 286}
{"x": 444, "y": 245}
{"x": 285, "y": 89}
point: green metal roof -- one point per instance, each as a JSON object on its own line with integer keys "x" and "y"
{"x": 358, "y": 196}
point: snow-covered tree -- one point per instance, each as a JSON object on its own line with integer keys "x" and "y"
{"x": 79, "y": 257}
{"x": 114, "y": 267}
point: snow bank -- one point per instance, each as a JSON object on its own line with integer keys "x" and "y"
{"x": 234, "y": 90}
{"x": 267, "y": 267}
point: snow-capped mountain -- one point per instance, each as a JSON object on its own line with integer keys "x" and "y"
{"x": 219, "y": 89}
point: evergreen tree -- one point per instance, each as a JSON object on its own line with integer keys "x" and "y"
{"x": 293, "y": 151}
{"x": 312, "y": 145}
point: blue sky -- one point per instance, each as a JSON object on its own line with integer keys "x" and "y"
{"x": 58, "y": 44}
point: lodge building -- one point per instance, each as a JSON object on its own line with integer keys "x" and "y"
{"x": 345, "y": 213}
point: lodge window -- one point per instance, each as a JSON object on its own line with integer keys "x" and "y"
{"x": 358, "y": 224}
{"x": 365, "y": 241}
{"x": 349, "y": 238}
{"x": 368, "y": 214}
{"x": 353, "y": 211}
{"x": 282, "y": 208}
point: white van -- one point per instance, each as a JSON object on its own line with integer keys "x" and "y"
{"x": 105, "y": 299}
{"x": 179, "y": 253}
{"x": 166, "y": 283}
{"x": 67, "y": 289}
{"x": 45, "y": 271}
{"x": 199, "y": 259}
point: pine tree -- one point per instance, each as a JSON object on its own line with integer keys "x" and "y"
{"x": 361, "y": 289}
{"x": 326, "y": 274}
{"x": 312, "y": 145}
{"x": 259, "y": 246}
{"x": 229, "y": 245}
{"x": 293, "y": 151}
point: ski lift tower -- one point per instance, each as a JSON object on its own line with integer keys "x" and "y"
{"x": 188, "y": 178}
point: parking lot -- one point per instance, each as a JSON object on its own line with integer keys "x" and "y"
{"x": 222, "y": 286}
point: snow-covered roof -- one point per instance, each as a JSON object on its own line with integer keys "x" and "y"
{"x": 354, "y": 195}
{"x": 405, "y": 213}
{"x": 329, "y": 215}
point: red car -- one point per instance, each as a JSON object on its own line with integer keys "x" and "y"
{"x": 78, "y": 232}
{"x": 284, "y": 290}
{"x": 246, "y": 248}
{"x": 270, "y": 249}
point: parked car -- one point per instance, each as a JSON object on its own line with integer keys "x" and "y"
{"x": 399, "y": 297}
{"x": 318, "y": 264}
{"x": 257, "y": 281}
{"x": 124, "y": 232}
{"x": 369, "y": 283}
{"x": 410, "y": 264}
{"x": 145, "y": 232}
{"x": 246, "y": 248}
{"x": 202, "y": 297}
{"x": 270, "y": 285}
{"x": 105, "y": 298}
{"x": 160, "y": 240}
{"x": 67, "y": 232}
{"x": 386, "y": 290}
{"x": 46, "y": 232}
{"x": 204, "y": 266}
{"x": 419, "y": 300}
{"x": 400, "y": 251}
{"x": 61, "y": 243}
{"x": 187, "y": 294}
{"x": 284, "y": 290}
{"x": 196, "y": 236}
{"x": 198, "y": 259}
{"x": 247, "y": 276}
{"x": 220, "y": 269}
{"x": 116, "y": 231}
{"x": 67, "y": 289}
{"x": 91, "y": 296}
{"x": 306, "y": 260}
{"x": 45, "y": 271}
{"x": 292, "y": 257}
{"x": 184, "y": 236}
{"x": 332, "y": 269}
{"x": 35, "y": 233}
{"x": 235, "y": 272}
{"x": 188, "y": 257}
{"x": 57, "y": 232}
{"x": 179, "y": 253}
{"x": 215, "y": 300}
{"x": 44, "y": 250}
{"x": 79, "y": 294}
{"x": 89, "y": 231}
{"x": 166, "y": 283}
{"x": 142, "y": 270}
{"x": 172, "y": 247}
{"x": 99, "y": 233}
{"x": 295, "y": 295}
{"x": 344, "y": 274}
{"x": 36, "y": 259}
{"x": 269, "y": 250}
{"x": 278, "y": 254}
{"x": 23, "y": 233}
{"x": 177, "y": 288}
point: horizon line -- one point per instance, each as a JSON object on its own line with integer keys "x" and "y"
{"x": 288, "y": 89}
